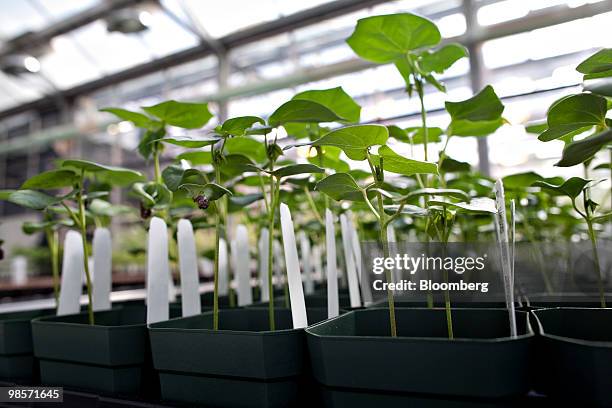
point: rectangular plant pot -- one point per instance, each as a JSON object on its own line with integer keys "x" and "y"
{"x": 16, "y": 353}
{"x": 241, "y": 364}
{"x": 574, "y": 350}
{"x": 111, "y": 356}
{"x": 356, "y": 351}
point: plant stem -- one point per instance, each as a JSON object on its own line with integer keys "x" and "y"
{"x": 53, "y": 243}
{"x": 419, "y": 88}
{"x": 602, "y": 297}
{"x": 388, "y": 276}
{"x": 271, "y": 215}
{"x": 158, "y": 177}
{"x": 83, "y": 225}
{"x": 216, "y": 271}
{"x": 313, "y": 206}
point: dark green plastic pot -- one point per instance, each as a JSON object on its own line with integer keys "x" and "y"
{"x": 574, "y": 350}
{"x": 112, "y": 356}
{"x": 16, "y": 354}
{"x": 242, "y": 364}
{"x": 356, "y": 351}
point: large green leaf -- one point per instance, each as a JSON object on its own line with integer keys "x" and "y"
{"x": 138, "y": 119}
{"x": 598, "y": 65}
{"x": 571, "y": 188}
{"x": 520, "y": 181}
{"x": 115, "y": 175}
{"x": 583, "y": 150}
{"x": 390, "y": 37}
{"x": 51, "y": 179}
{"x": 239, "y": 125}
{"x": 336, "y": 100}
{"x": 239, "y": 202}
{"x": 196, "y": 158}
{"x": 251, "y": 148}
{"x": 340, "y": 186}
{"x": 34, "y": 200}
{"x": 441, "y": 59}
{"x": 106, "y": 209}
{"x": 302, "y": 111}
{"x": 574, "y": 113}
{"x": 395, "y": 163}
{"x": 192, "y": 141}
{"x": 235, "y": 164}
{"x": 186, "y": 115}
{"x": 294, "y": 169}
{"x": 354, "y": 140}
{"x": 479, "y": 115}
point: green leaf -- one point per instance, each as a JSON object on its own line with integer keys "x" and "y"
{"x": 598, "y": 65}
{"x": 536, "y": 127}
{"x": 153, "y": 195}
{"x": 192, "y": 141}
{"x": 395, "y": 163}
{"x": 443, "y": 192}
{"x": 574, "y": 113}
{"x": 336, "y": 100}
{"x": 104, "y": 208}
{"x": 302, "y": 111}
{"x": 330, "y": 159}
{"x": 479, "y": 115}
{"x": 520, "y": 181}
{"x": 354, "y": 140}
{"x": 29, "y": 227}
{"x": 340, "y": 186}
{"x": 603, "y": 166}
{"x": 238, "y": 203}
{"x": 172, "y": 176}
{"x": 603, "y": 218}
{"x": 51, "y": 179}
{"x": 212, "y": 191}
{"x": 197, "y": 158}
{"x": 186, "y": 115}
{"x": 417, "y": 135}
{"x": 251, "y": 148}
{"x": 235, "y": 164}
{"x": 34, "y": 200}
{"x": 441, "y": 59}
{"x": 583, "y": 150}
{"x": 450, "y": 165}
{"x": 571, "y": 188}
{"x": 147, "y": 142}
{"x": 138, "y": 119}
{"x": 294, "y": 169}
{"x": 390, "y": 37}
{"x": 476, "y": 205}
{"x": 408, "y": 209}
{"x": 116, "y": 175}
{"x": 239, "y": 125}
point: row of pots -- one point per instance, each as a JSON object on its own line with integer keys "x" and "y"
{"x": 563, "y": 352}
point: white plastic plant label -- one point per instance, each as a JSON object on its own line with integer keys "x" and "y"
{"x": 158, "y": 270}
{"x": 102, "y": 269}
{"x": 262, "y": 247}
{"x": 306, "y": 262}
{"x": 333, "y": 304}
{"x": 223, "y": 266}
{"x": 242, "y": 266}
{"x": 317, "y": 262}
{"x": 296, "y": 292}
{"x": 19, "y": 270}
{"x": 366, "y": 289}
{"x": 504, "y": 248}
{"x": 72, "y": 275}
{"x": 188, "y": 269}
{"x": 349, "y": 256}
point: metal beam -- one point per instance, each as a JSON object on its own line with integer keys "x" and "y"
{"x": 42, "y": 37}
